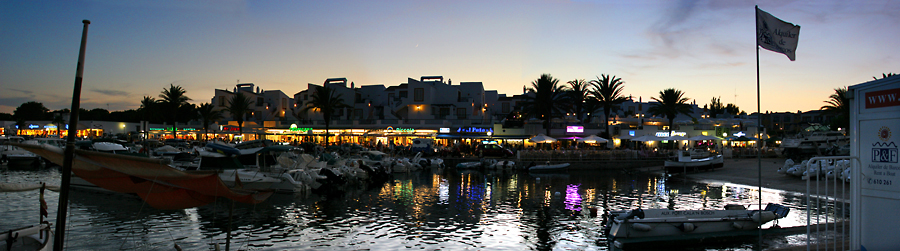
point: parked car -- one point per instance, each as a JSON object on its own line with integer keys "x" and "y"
{"x": 492, "y": 150}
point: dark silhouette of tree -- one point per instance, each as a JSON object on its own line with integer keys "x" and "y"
{"x": 839, "y": 106}
{"x": 6, "y": 116}
{"x": 716, "y": 107}
{"x": 207, "y": 116}
{"x": 578, "y": 94}
{"x": 171, "y": 100}
{"x": 326, "y": 101}
{"x": 671, "y": 102}
{"x": 31, "y": 111}
{"x": 548, "y": 98}
{"x": 608, "y": 93}
{"x": 886, "y": 75}
{"x": 732, "y": 109}
{"x": 239, "y": 107}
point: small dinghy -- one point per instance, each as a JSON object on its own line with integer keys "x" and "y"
{"x": 548, "y": 167}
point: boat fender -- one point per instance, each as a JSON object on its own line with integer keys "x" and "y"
{"x": 686, "y": 227}
{"x": 763, "y": 216}
{"x": 639, "y": 213}
{"x": 737, "y": 225}
{"x": 641, "y": 227}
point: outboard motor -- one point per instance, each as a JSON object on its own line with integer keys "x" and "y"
{"x": 639, "y": 213}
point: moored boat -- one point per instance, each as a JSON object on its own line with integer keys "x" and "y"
{"x": 548, "y": 167}
{"x": 662, "y": 226}
{"x": 686, "y": 164}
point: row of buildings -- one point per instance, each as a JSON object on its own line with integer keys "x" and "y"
{"x": 430, "y": 107}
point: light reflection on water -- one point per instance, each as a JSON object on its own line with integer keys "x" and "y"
{"x": 437, "y": 209}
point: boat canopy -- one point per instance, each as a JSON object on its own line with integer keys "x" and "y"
{"x": 157, "y": 183}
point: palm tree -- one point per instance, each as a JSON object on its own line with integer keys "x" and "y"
{"x": 207, "y": 116}
{"x": 58, "y": 121}
{"x": 838, "y": 105}
{"x": 239, "y": 106}
{"x": 608, "y": 93}
{"x": 325, "y": 100}
{"x": 147, "y": 106}
{"x": 577, "y": 95}
{"x": 172, "y": 99}
{"x": 548, "y": 99}
{"x": 671, "y": 102}
{"x": 886, "y": 75}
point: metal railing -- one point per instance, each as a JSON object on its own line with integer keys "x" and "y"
{"x": 827, "y": 182}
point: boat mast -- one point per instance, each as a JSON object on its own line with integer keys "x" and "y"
{"x": 70, "y": 146}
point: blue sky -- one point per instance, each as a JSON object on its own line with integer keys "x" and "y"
{"x": 704, "y": 48}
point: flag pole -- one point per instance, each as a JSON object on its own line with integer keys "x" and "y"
{"x": 62, "y": 208}
{"x": 758, "y": 127}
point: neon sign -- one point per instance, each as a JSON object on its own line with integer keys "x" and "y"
{"x": 739, "y": 134}
{"x": 33, "y": 126}
{"x": 474, "y": 130}
{"x": 444, "y": 130}
{"x": 575, "y": 129}
{"x": 169, "y": 129}
{"x": 666, "y": 134}
{"x": 398, "y": 129}
{"x": 294, "y": 128}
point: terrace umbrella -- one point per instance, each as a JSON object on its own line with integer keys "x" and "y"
{"x": 541, "y": 138}
{"x": 676, "y": 137}
{"x": 704, "y": 137}
{"x": 593, "y": 139}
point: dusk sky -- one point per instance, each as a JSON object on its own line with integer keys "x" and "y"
{"x": 704, "y": 48}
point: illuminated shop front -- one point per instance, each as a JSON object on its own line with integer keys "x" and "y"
{"x": 397, "y": 135}
{"x": 38, "y": 130}
{"x": 185, "y": 133}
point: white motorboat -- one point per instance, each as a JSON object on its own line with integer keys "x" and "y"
{"x": 18, "y": 158}
{"x": 685, "y": 163}
{"x": 663, "y": 226}
{"x": 814, "y": 142}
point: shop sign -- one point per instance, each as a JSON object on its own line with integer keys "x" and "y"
{"x": 229, "y": 129}
{"x": 474, "y": 130}
{"x": 169, "y": 129}
{"x": 444, "y": 130}
{"x": 666, "y": 134}
{"x": 49, "y": 127}
{"x": 399, "y": 129}
{"x": 883, "y": 98}
{"x": 294, "y": 128}
{"x": 739, "y": 134}
{"x": 574, "y": 129}
{"x": 33, "y": 126}
{"x": 631, "y": 133}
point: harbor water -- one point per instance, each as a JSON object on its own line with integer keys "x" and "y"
{"x": 437, "y": 209}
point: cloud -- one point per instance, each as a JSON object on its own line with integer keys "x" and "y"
{"x": 22, "y": 91}
{"x": 110, "y": 92}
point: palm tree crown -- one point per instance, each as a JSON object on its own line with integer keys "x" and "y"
{"x": 671, "y": 102}
{"x": 578, "y": 93}
{"x": 172, "y": 99}
{"x": 208, "y": 115}
{"x": 608, "y": 95}
{"x": 548, "y": 99}
{"x": 325, "y": 100}
{"x": 839, "y": 105}
{"x": 239, "y": 106}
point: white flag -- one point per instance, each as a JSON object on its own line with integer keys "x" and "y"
{"x": 776, "y": 35}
